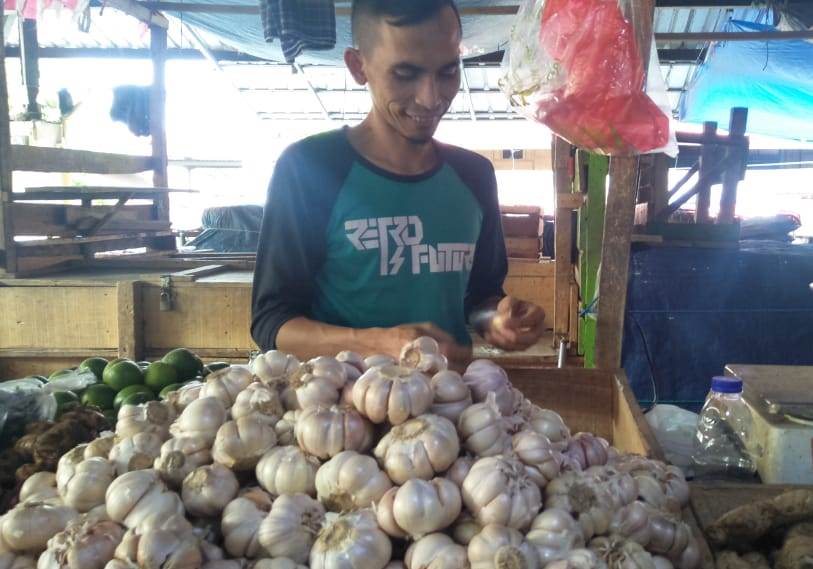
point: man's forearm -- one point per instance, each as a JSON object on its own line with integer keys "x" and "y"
{"x": 481, "y": 316}
{"x": 308, "y": 339}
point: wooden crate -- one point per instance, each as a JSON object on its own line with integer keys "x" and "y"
{"x": 520, "y": 221}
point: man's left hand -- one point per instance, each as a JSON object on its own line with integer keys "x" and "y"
{"x": 516, "y": 325}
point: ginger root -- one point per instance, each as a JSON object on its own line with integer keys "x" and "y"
{"x": 749, "y": 523}
{"x": 797, "y": 550}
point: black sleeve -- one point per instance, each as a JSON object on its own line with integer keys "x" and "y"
{"x": 293, "y": 241}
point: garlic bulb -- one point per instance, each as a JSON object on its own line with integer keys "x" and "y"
{"x": 579, "y": 559}
{"x": 379, "y": 360}
{"x": 135, "y": 453}
{"x": 661, "y": 486}
{"x": 260, "y": 400}
{"x": 278, "y": 563}
{"x": 101, "y": 446}
{"x": 419, "y": 508}
{"x": 66, "y": 467}
{"x": 291, "y": 527}
{"x": 482, "y": 429}
{"x": 85, "y": 543}
{"x": 208, "y": 489}
{"x": 542, "y": 463}
{"x": 673, "y": 538}
{"x": 620, "y": 553}
{"x": 151, "y": 417}
{"x": 10, "y": 560}
{"x": 274, "y": 367}
{"x": 181, "y": 398}
{"x": 451, "y": 396}
{"x": 662, "y": 562}
{"x": 352, "y": 541}
{"x": 498, "y": 547}
{"x": 28, "y": 527}
{"x": 484, "y": 377}
{"x": 420, "y": 448}
{"x": 424, "y": 355}
{"x": 586, "y": 497}
{"x": 241, "y": 523}
{"x": 465, "y": 528}
{"x": 226, "y": 384}
{"x": 139, "y": 494}
{"x": 632, "y": 522}
{"x": 179, "y": 456}
{"x": 285, "y": 428}
{"x": 548, "y": 423}
{"x": 554, "y": 533}
{"x": 436, "y": 551}
{"x": 326, "y": 431}
{"x": 86, "y": 488}
{"x": 392, "y": 393}
{"x": 160, "y": 549}
{"x": 39, "y": 487}
{"x": 587, "y": 450}
{"x": 459, "y": 470}
{"x": 240, "y": 444}
{"x": 497, "y": 491}
{"x": 287, "y": 470}
{"x": 226, "y": 564}
{"x": 350, "y": 481}
{"x": 318, "y": 382}
{"x": 352, "y": 359}
{"x": 203, "y": 417}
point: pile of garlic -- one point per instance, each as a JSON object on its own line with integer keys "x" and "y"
{"x": 349, "y": 463}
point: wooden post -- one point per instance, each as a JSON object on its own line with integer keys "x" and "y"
{"x": 158, "y": 48}
{"x": 130, "y": 320}
{"x": 7, "y": 250}
{"x": 735, "y": 172}
{"x": 563, "y": 241}
{"x": 29, "y": 60}
{"x": 708, "y": 155}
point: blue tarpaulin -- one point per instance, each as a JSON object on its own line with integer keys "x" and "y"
{"x": 774, "y": 79}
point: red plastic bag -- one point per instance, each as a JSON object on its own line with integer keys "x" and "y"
{"x": 588, "y": 81}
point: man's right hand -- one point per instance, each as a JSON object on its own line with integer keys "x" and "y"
{"x": 391, "y": 340}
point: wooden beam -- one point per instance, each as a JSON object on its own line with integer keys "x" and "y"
{"x": 29, "y": 46}
{"x": 158, "y": 129}
{"x": 7, "y": 248}
{"x": 130, "y": 320}
{"x": 63, "y": 160}
{"x": 735, "y": 172}
{"x": 92, "y": 193}
{"x": 563, "y": 240}
{"x": 139, "y": 11}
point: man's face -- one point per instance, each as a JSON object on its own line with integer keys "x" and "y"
{"x": 413, "y": 73}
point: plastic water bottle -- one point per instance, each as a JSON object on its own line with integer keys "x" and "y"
{"x": 723, "y": 444}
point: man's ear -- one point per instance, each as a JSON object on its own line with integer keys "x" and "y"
{"x": 355, "y": 63}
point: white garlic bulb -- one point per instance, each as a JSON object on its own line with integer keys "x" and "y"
{"x": 241, "y": 522}
{"x": 352, "y": 541}
{"x": 133, "y": 497}
{"x": 350, "y": 481}
{"x": 202, "y": 417}
{"x": 424, "y": 355}
{"x": 497, "y": 491}
{"x": 240, "y": 444}
{"x": 28, "y": 527}
{"x": 392, "y": 393}
{"x": 260, "y": 400}
{"x": 420, "y": 448}
{"x": 152, "y": 417}
{"x": 317, "y": 382}
{"x": 181, "y": 455}
{"x": 482, "y": 429}
{"x": 287, "y": 470}
{"x": 39, "y": 487}
{"x": 274, "y": 367}
{"x": 419, "y": 508}
{"x": 208, "y": 489}
{"x": 497, "y": 546}
{"x": 554, "y": 533}
{"x": 291, "y": 526}
{"x": 542, "y": 462}
{"x": 85, "y": 543}
{"x": 226, "y": 384}
{"x": 436, "y": 551}
{"x": 451, "y": 395}
{"x": 86, "y": 488}
{"x": 135, "y": 453}
{"x": 326, "y": 431}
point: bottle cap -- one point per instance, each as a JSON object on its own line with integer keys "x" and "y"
{"x": 722, "y": 384}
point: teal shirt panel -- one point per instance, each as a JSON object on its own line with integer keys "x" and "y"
{"x": 399, "y": 251}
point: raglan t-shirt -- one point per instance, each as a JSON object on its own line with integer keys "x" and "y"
{"x": 345, "y": 242}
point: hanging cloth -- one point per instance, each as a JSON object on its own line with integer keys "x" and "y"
{"x": 131, "y": 105}
{"x": 299, "y": 25}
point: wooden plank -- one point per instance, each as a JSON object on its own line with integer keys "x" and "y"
{"x": 51, "y": 244}
{"x": 94, "y": 192}
{"x": 8, "y": 262}
{"x": 198, "y": 272}
{"x": 532, "y": 282}
{"x": 140, "y": 12}
{"x": 563, "y": 240}
{"x": 736, "y": 171}
{"x": 520, "y": 224}
{"x": 130, "y": 320}
{"x": 16, "y": 367}
{"x": 42, "y": 159}
{"x": 158, "y": 129}
{"x": 629, "y": 423}
{"x": 708, "y": 156}
{"x": 59, "y": 219}
{"x": 523, "y": 247}
{"x": 569, "y": 201}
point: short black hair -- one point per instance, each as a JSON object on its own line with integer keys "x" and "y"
{"x": 397, "y": 12}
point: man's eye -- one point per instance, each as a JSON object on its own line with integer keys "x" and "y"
{"x": 451, "y": 72}
{"x": 404, "y": 74}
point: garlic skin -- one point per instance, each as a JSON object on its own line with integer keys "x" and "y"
{"x": 39, "y": 487}
{"x": 392, "y": 393}
{"x": 151, "y": 417}
{"x": 160, "y": 549}
{"x": 424, "y": 355}
{"x": 579, "y": 559}
{"x": 207, "y": 490}
{"x": 542, "y": 463}
{"x": 350, "y": 481}
{"x": 661, "y": 486}
{"x": 226, "y": 384}
{"x": 317, "y": 382}
{"x": 451, "y": 395}
{"x": 260, "y": 400}
{"x": 436, "y": 551}
{"x": 274, "y": 367}
{"x": 419, "y": 508}
{"x": 632, "y": 522}
{"x": 460, "y": 469}
{"x": 203, "y": 417}
{"x": 226, "y": 564}
{"x": 291, "y": 526}
{"x": 138, "y": 495}
{"x": 620, "y": 553}
{"x": 324, "y": 432}
{"x": 179, "y": 456}
{"x": 287, "y": 470}
{"x": 66, "y": 467}
{"x": 587, "y": 450}
{"x": 87, "y": 487}
{"x": 240, "y": 444}
{"x": 482, "y": 429}
{"x": 554, "y": 533}
{"x": 285, "y": 428}
{"x": 420, "y": 448}
{"x": 181, "y": 398}
{"x": 278, "y": 563}
{"x": 548, "y": 423}
{"x": 352, "y": 359}
{"x": 496, "y": 547}
{"x": 497, "y": 491}
{"x": 85, "y": 543}
{"x": 484, "y": 377}
{"x": 101, "y": 446}
{"x": 378, "y": 360}
{"x": 241, "y": 522}
{"x": 352, "y": 541}
{"x": 10, "y": 560}
{"x": 465, "y": 528}
{"x": 135, "y": 453}
{"x": 28, "y": 527}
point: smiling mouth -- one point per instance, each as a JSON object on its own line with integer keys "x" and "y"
{"x": 424, "y": 121}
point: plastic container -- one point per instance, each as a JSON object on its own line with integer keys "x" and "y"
{"x": 724, "y": 445}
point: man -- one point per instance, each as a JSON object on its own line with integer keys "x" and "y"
{"x": 376, "y": 235}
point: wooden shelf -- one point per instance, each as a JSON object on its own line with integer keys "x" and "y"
{"x": 92, "y": 192}
{"x": 84, "y": 240}
{"x": 43, "y": 159}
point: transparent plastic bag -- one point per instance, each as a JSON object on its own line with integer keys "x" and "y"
{"x": 575, "y": 66}
{"x": 674, "y": 428}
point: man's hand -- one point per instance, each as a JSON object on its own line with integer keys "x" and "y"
{"x": 516, "y": 325}
{"x": 391, "y": 340}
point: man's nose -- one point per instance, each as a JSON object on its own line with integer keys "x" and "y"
{"x": 428, "y": 95}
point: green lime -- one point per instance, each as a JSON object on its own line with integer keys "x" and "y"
{"x": 159, "y": 374}
{"x": 122, "y": 374}
{"x": 169, "y": 389}
{"x": 60, "y": 373}
{"x": 186, "y": 362}
{"x": 96, "y": 365}
{"x": 99, "y": 395}
{"x": 118, "y": 400}
{"x": 64, "y": 399}
{"x": 139, "y": 398}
